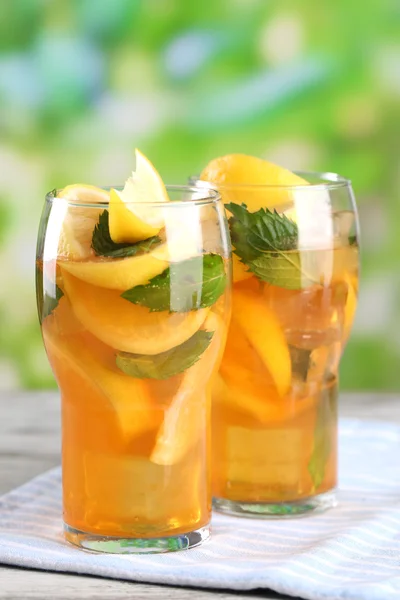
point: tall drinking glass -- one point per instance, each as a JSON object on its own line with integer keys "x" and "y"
{"x": 134, "y": 336}
{"x": 295, "y": 267}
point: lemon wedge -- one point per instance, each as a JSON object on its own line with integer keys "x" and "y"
{"x": 130, "y": 220}
{"x": 78, "y": 222}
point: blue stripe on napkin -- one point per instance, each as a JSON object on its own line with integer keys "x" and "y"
{"x": 351, "y": 552}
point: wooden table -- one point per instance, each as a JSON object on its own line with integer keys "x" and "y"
{"x": 30, "y": 444}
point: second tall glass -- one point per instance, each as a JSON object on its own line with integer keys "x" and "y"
{"x": 294, "y": 298}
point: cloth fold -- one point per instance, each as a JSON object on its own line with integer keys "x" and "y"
{"x": 351, "y": 552}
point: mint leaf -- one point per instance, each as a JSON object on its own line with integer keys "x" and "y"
{"x": 261, "y": 231}
{"x": 187, "y": 285}
{"x": 352, "y": 240}
{"x": 325, "y": 430}
{"x": 266, "y": 242}
{"x": 103, "y": 245}
{"x": 283, "y": 269}
{"x": 240, "y": 225}
{"x": 167, "y": 364}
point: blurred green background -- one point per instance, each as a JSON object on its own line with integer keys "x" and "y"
{"x": 311, "y": 84}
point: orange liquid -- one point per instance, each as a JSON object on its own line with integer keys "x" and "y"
{"x": 135, "y": 452}
{"x": 275, "y": 402}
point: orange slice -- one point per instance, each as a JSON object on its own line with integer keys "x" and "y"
{"x": 264, "y": 332}
{"x": 232, "y": 170}
{"x": 126, "y": 326}
{"x": 247, "y": 384}
{"x": 247, "y": 398}
{"x": 120, "y": 274}
{"x": 186, "y": 419}
{"x": 82, "y": 355}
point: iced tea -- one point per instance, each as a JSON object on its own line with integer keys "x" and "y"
{"x": 294, "y": 297}
{"x": 134, "y": 332}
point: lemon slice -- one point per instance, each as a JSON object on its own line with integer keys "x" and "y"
{"x": 120, "y": 274}
{"x": 126, "y": 326}
{"x": 250, "y": 400}
{"x": 186, "y": 418}
{"x": 79, "y": 221}
{"x": 264, "y": 332}
{"x": 243, "y": 170}
{"x": 82, "y": 357}
{"x": 130, "y": 220}
{"x": 123, "y": 274}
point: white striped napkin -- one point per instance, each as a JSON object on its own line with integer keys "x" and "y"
{"x": 351, "y": 552}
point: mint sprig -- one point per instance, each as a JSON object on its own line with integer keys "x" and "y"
{"x": 187, "y": 285}
{"x": 103, "y": 245}
{"x": 266, "y": 242}
{"x": 167, "y": 364}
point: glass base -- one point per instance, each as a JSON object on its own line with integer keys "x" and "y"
{"x": 277, "y": 510}
{"x": 120, "y": 545}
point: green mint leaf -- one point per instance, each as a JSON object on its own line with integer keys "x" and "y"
{"x": 283, "y": 269}
{"x": 352, "y": 240}
{"x": 187, "y": 285}
{"x": 240, "y": 224}
{"x": 261, "y": 231}
{"x": 167, "y": 364}
{"x": 103, "y": 245}
{"x": 325, "y": 430}
{"x": 50, "y": 303}
{"x": 266, "y": 242}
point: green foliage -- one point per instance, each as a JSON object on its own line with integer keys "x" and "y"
{"x": 323, "y": 102}
{"x": 265, "y": 242}
{"x": 187, "y": 285}
{"x": 167, "y": 364}
{"x": 261, "y": 231}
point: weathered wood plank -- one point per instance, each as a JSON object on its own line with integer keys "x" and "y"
{"x": 21, "y": 583}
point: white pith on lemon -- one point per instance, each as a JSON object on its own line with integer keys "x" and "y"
{"x": 131, "y": 216}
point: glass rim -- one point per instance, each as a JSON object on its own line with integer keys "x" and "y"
{"x": 327, "y": 180}
{"x": 211, "y": 196}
